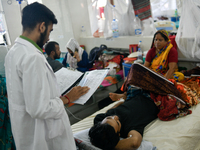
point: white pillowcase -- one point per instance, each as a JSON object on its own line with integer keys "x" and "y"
{"x": 83, "y": 136}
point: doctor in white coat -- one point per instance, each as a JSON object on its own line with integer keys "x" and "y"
{"x": 38, "y": 118}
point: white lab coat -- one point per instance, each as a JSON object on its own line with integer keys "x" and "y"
{"x": 38, "y": 118}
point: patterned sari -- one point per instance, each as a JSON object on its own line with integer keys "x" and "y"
{"x": 160, "y": 63}
{"x": 6, "y": 137}
{"x": 165, "y": 94}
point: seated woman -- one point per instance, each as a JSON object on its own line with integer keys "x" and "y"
{"x": 76, "y": 57}
{"x": 163, "y": 57}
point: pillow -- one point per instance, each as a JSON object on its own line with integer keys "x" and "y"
{"x": 83, "y": 142}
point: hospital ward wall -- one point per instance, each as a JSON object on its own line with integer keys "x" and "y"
{"x": 124, "y": 42}
{"x": 71, "y": 16}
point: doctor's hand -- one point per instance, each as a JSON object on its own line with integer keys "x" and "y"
{"x": 75, "y": 93}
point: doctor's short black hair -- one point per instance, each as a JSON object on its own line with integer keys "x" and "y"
{"x": 36, "y": 13}
{"x": 50, "y": 46}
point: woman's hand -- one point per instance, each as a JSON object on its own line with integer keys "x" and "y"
{"x": 147, "y": 64}
{"x": 76, "y": 55}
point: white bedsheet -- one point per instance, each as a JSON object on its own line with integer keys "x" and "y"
{"x": 179, "y": 134}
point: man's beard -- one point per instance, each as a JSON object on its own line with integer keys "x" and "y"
{"x": 56, "y": 56}
{"x": 41, "y": 41}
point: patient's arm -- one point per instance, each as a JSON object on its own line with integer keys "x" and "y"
{"x": 116, "y": 97}
{"x": 132, "y": 142}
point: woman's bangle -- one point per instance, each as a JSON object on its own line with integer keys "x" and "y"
{"x": 67, "y": 98}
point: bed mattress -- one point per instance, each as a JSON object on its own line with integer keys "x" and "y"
{"x": 179, "y": 134}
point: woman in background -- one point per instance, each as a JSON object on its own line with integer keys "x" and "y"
{"x": 163, "y": 57}
{"x": 76, "y": 57}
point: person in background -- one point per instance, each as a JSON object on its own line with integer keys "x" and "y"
{"x": 53, "y": 51}
{"x": 76, "y": 57}
{"x": 38, "y": 117}
{"x": 163, "y": 57}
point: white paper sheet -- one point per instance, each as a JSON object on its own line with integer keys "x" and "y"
{"x": 92, "y": 79}
{"x": 66, "y": 78}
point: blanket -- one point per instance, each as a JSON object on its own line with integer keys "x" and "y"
{"x": 167, "y": 95}
{"x": 142, "y": 8}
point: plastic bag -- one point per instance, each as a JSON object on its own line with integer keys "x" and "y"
{"x": 188, "y": 35}
{"x": 148, "y": 27}
{"x": 125, "y": 15}
{"x": 108, "y": 19}
{"x": 93, "y": 13}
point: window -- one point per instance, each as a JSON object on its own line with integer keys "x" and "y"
{"x": 32, "y": 1}
{"x": 2, "y": 29}
{"x": 163, "y": 8}
{"x": 4, "y": 36}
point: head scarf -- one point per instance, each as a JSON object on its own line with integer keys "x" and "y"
{"x": 163, "y": 32}
{"x": 73, "y": 45}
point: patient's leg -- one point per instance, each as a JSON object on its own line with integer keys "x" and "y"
{"x": 116, "y": 97}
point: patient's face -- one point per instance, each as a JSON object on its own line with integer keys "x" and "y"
{"x": 114, "y": 122}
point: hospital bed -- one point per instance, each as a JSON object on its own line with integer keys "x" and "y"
{"x": 179, "y": 134}
{"x": 77, "y": 112}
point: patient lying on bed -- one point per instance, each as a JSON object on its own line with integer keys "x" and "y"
{"x": 126, "y": 120}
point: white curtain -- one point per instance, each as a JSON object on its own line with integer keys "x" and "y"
{"x": 188, "y": 35}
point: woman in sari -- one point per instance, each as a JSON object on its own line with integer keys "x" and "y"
{"x": 163, "y": 57}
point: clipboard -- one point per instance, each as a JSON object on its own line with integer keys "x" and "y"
{"x": 67, "y": 79}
